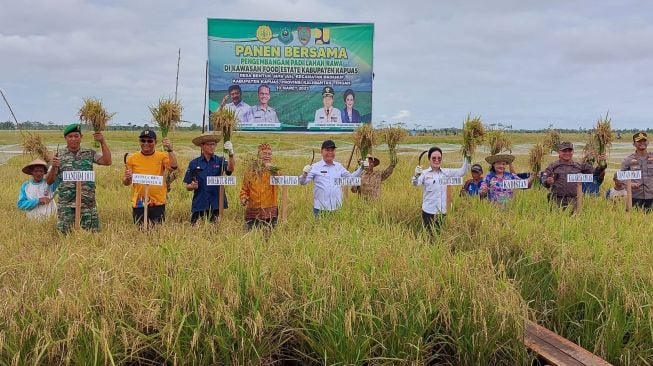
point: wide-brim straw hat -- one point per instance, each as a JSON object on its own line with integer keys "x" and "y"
{"x": 38, "y": 162}
{"x": 500, "y": 157}
{"x": 376, "y": 160}
{"x": 207, "y": 137}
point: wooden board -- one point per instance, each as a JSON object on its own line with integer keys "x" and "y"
{"x": 557, "y": 350}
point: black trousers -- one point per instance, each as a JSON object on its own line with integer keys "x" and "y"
{"x": 644, "y": 204}
{"x": 211, "y": 214}
{"x": 261, "y": 223}
{"x": 433, "y": 222}
{"x": 155, "y": 214}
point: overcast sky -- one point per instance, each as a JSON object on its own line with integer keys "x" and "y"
{"x": 522, "y": 63}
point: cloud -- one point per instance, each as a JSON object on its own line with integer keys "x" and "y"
{"x": 402, "y": 114}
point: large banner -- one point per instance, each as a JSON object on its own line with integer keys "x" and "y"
{"x": 291, "y": 76}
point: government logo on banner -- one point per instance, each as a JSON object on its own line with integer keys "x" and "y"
{"x": 304, "y": 35}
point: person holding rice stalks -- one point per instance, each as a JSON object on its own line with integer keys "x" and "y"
{"x": 206, "y": 198}
{"x": 76, "y": 158}
{"x": 327, "y": 197}
{"x": 434, "y": 198}
{"x": 642, "y": 160}
{"x": 592, "y": 188}
{"x": 472, "y": 186}
{"x": 150, "y": 162}
{"x": 371, "y": 180}
{"x": 257, "y": 194}
{"x": 563, "y": 193}
{"x": 492, "y": 186}
{"x": 36, "y": 196}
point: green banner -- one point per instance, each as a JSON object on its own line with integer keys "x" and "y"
{"x": 291, "y": 76}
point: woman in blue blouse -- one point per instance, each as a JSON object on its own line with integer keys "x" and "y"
{"x": 492, "y": 185}
{"x": 348, "y": 114}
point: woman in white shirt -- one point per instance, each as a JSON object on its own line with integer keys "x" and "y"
{"x": 434, "y": 198}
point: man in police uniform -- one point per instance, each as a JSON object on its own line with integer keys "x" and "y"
{"x": 642, "y": 160}
{"x": 242, "y": 109}
{"x": 328, "y": 113}
{"x": 76, "y": 158}
{"x": 262, "y": 112}
{"x": 555, "y": 175}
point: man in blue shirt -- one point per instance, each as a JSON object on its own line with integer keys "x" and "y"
{"x": 473, "y": 185}
{"x": 205, "y": 197}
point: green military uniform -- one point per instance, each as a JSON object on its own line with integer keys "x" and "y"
{"x": 83, "y": 159}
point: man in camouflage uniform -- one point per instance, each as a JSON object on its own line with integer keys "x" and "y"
{"x": 642, "y": 160}
{"x": 371, "y": 180}
{"x": 555, "y": 175}
{"x": 76, "y": 158}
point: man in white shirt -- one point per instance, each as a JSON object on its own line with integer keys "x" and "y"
{"x": 327, "y": 196}
{"x": 328, "y": 113}
{"x": 242, "y": 109}
{"x": 434, "y": 199}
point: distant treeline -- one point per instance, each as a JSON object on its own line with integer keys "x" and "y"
{"x": 32, "y": 125}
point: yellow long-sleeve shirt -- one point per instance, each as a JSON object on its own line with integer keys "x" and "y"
{"x": 261, "y": 196}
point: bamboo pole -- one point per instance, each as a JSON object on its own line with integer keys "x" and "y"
{"x": 629, "y": 195}
{"x": 579, "y": 197}
{"x": 146, "y": 203}
{"x": 284, "y": 203}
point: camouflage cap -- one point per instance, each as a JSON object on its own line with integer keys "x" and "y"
{"x": 639, "y": 136}
{"x": 565, "y": 146}
{"x": 73, "y": 127}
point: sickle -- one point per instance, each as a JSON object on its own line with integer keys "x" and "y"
{"x": 125, "y": 158}
{"x": 419, "y": 161}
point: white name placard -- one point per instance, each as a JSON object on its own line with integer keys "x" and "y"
{"x": 349, "y": 181}
{"x": 220, "y": 180}
{"x": 451, "y": 181}
{"x": 78, "y": 176}
{"x": 579, "y": 178}
{"x": 629, "y": 174}
{"x": 153, "y": 180}
{"x": 284, "y": 180}
{"x": 514, "y": 184}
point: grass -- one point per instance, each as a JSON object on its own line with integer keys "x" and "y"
{"x": 365, "y": 287}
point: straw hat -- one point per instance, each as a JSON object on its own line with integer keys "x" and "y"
{"x": 207, "y": 137}
{"x": 507, "y": 158}
{"x": 38, "y": 162}
{"x": 376, "y": 160}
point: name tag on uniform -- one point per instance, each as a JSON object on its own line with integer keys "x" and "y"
{"x": 220, "y": 180}
{"x": 629, "y": 174}
{"x": 153, "y": 180}
{"x": 514, "y": 184}
{"x": 284, "y": 180}
{"x": 349, "y": 181}
{"x": 450, "y": 181}
{"x": 78, "y": 176}
{"x": 580, "y": 178}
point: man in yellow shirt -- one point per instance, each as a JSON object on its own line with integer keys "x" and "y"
{"x": 257, "y": 194}
{"x": 148, "y": 161}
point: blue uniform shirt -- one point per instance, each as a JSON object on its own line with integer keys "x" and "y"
{"x": 206, "y": 197}
{"x": 472, "y": 188}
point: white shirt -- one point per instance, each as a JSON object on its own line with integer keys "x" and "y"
{"x": 326, "y": 195}
{"x": 333, "y": 117}
{"x": 30, "y": 192}
{"x": 242, "y": 110}
{"x": 434, "y": 199}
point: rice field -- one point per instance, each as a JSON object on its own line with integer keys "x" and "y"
{"x": 364, "y": 286}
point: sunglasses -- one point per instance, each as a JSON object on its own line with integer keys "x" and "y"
{"x": 147, "y": 141}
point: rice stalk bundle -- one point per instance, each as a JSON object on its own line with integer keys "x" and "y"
{"x": 552, "y": 140}
{"x": 92, "y": 113}
{"x": 224, "y": 120}
{"x": 498, "y": 141}
{"x": 535, "y": 156}
{"x": 590, "y": 150}
{"x": 392, "y": 136}
{"x": 364, "y": 138}
{"x": 167, "y": 114}
{"x": 473, "y": 134}
{"x": 603, "y": 134}
{"x": 171, "y": 176}
{"x": 33, "y": 145}
{"x": 257, "y": 166}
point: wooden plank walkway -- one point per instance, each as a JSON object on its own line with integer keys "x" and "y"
{"x": 557, "y": 350}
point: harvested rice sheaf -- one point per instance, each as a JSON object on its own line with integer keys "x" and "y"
{"x": 473, "y": 134}
{"x": 92, "y": 113}
{"x": 167, "y": 114}
{"x": 365, "y": 137}
{"x": 224, "y": 120}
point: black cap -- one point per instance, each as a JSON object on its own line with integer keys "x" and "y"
{"x": 477, "y": 168}
{"x": 148, "y": 133}
{"x": 327, "y": 91}
{"x": 328, "y": 144}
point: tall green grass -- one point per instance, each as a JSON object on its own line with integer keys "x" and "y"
{"x": 364, "y": 286}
